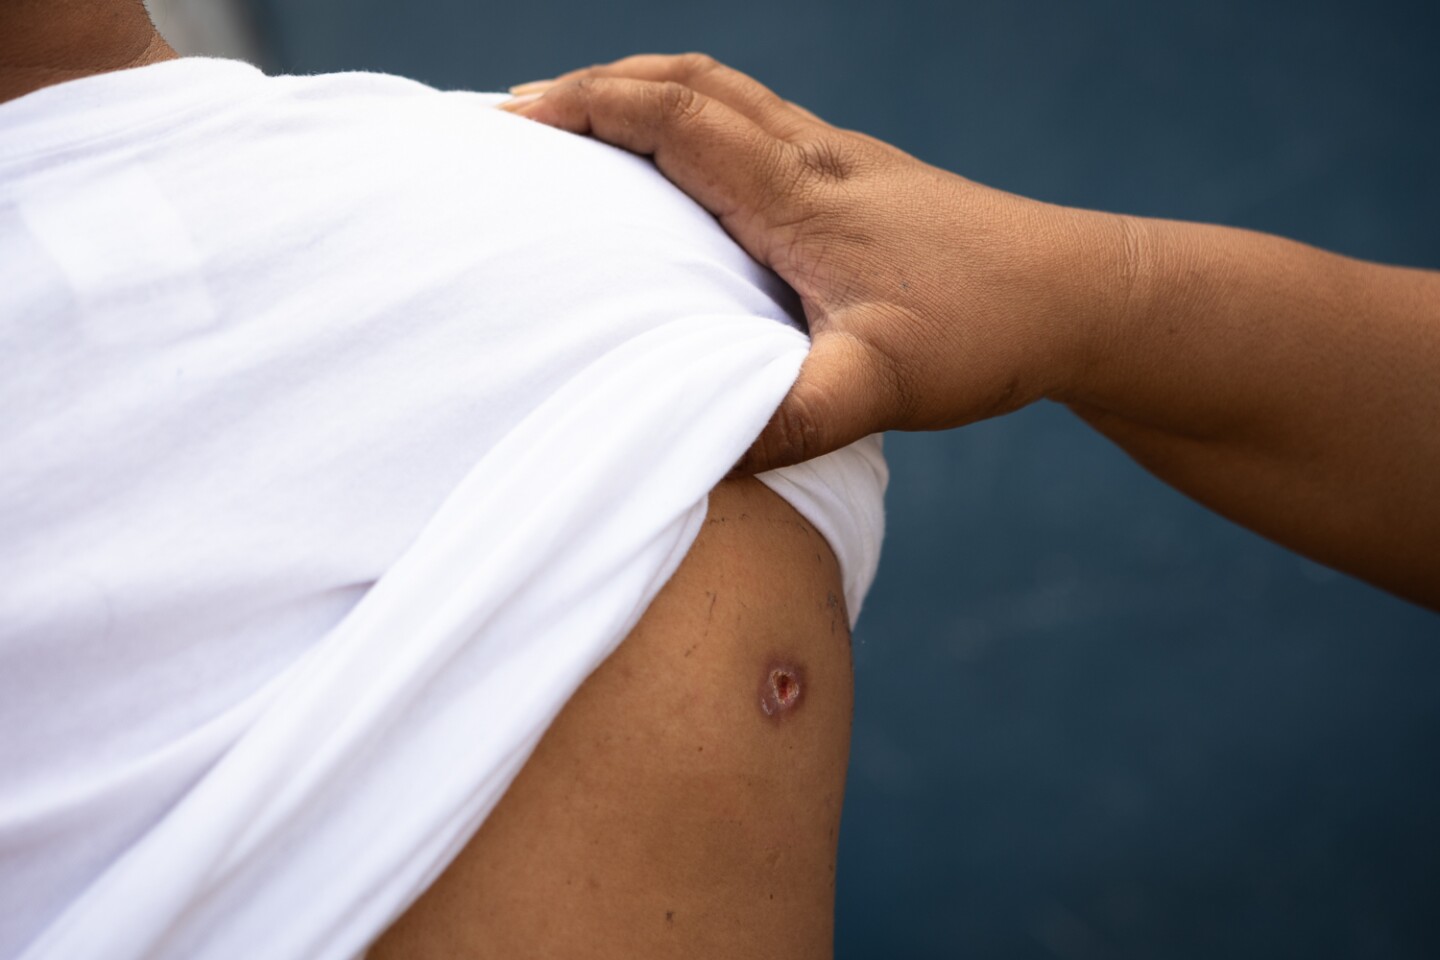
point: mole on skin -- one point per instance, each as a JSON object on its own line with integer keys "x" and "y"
{"x": 780, "y": 689}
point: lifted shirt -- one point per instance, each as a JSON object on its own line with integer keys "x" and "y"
{"x": 347, "y": 426}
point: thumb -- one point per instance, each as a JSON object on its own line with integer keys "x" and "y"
{"x": 844, "y": 392}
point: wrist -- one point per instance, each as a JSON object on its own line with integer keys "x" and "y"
{"x": 1111, "y": 278}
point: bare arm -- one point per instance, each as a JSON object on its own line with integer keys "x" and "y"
{"x": 686, "y": 801}
{"x": 1295, "y": 391}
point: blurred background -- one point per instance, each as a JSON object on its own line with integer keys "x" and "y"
{"x": 1093, "y": 721}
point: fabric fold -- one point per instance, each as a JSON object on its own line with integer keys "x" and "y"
{"x": 353, "y": 425}
{"x": 446, "y": 674}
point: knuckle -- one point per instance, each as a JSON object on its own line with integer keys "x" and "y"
{"x": 678, "y": 102}
{"x": 696, "y": 64}
{"x": 778, "y": 164}
{"x": 796, "y": 185}
{"x": 796, "y": 436}
{"x": 828, "y": 158}
{"x": 892, "y": 376}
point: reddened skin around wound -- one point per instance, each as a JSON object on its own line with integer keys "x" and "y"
{"x": 782, "y": 689}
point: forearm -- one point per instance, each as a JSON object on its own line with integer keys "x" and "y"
{"x": 1293, "y": 390}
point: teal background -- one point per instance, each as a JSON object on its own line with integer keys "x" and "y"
{"x": 1094, "y": 721}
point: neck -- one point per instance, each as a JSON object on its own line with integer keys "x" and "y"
{"x": 44, "y": 42}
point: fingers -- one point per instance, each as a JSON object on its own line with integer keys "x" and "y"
{"x": 703, "y": 74}
{"x": 839, "y": 397}
{"x": 712, "y": 152}
{"x": 766, "y": 168}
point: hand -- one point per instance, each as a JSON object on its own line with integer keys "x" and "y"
{"x": 932, "y": 301}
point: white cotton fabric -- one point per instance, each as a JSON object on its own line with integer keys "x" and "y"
{"x": 346, "y": 426}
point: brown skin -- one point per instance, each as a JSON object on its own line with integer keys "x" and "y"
{"x": 44, "y": 42}
{"x": 1290, "y": 389}
{"x": 665, "y": 814}
{"x": 1295, "y": 391}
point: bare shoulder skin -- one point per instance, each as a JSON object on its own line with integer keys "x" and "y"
{"x": 686, "y": 802}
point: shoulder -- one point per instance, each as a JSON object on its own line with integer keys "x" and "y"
{"x": 455, "y": 148}
{"x": 393, "y": 178}
{"x": 521, "y": 253}
{"x": 712, "y": 747}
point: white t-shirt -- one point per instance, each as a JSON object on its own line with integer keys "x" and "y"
{"x": 347, "y": 426}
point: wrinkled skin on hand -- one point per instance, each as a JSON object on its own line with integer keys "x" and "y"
{"x": 1290, "y": 389}
{"x": 932, "y": 301}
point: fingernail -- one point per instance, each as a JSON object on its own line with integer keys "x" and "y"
{"x": 534, "y": 86}
{"x": 515, "y": 103}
